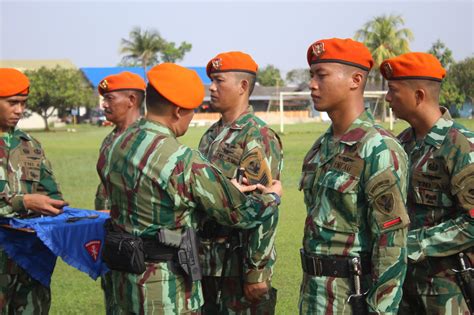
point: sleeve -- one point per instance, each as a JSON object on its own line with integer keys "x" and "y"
{"x": 454, "y": 235}
{"x": 213, "y": 193}
{"x": 13, "y": 202}
{"x": 388, "y": 219}
{"x": 101, "y": 200}
{"x": 260, "y": 252}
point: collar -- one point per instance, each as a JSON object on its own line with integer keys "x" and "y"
{"x": 240, "y": 122}
{"x": 438, "y": 132}
{"x": 155, "y": 126}
{"x": 357, "y": 129}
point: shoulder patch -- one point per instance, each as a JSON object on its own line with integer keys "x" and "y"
{"x": 463, "y": 187}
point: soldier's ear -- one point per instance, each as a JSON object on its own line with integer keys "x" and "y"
{"x": 420, "y": 96}
{"x": 357, "y": 79}
{"x": 244, "y": 86}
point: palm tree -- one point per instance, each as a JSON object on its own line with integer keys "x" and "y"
{"x": 142, "y": 47}
{"x": 385, "y": 39}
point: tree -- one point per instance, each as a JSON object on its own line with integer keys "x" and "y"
{"x": 269, "y": 76}
{"x": 443, "y": 53}
{"x": 58, "y": 89}
{"x": 298, "y": 77}
{"x": 463, "y": 76}
{"x": 147, "y": 48}
{"x": 385, "y": 38}
{"x": 450, "y": 94}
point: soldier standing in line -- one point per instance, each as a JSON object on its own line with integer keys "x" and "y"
{"x": 27, "y": 187}
{"x": 158, "y": 187}
{"x": 238, "y": 265}
{"x": 441, "y": 189}
{"x": 123, "y": 95}
{"x": 354, "y": 181}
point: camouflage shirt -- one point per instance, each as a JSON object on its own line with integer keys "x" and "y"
{"x": 101, "y": 201}
{"x": 355, "y": 191}
{"x": 24, "y": 169}
{"x": 441, "y": 191}
{"x": 153, "y": 181}
{"x": 226, "y": 147}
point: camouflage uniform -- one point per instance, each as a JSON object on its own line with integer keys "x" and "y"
{"x": 440, "y": 198}
{"x": 226, "y": 147}
{"x": 24, "y": 169}
{"x": 355, "y": 191}
{"x": 102, "y": 203}
{"x": 153, "y": 181}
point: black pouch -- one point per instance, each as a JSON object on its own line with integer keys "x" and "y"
{"x": 123, "y": 251}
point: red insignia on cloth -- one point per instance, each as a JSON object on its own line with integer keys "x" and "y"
{"x": 93, "y": 248}
{"x": 471, "y": 213}
{"x": 391, "y": 223}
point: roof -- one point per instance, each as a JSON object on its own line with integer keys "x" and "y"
{"x": 96, "y": 74}
{"x": 36, "y": 64}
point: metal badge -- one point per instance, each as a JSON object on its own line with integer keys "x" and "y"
{"x": 387, "y": 70}
{"x": 104, "y": 85}
{"x": 217, "y": 63}
{"x": 318, "y": 49}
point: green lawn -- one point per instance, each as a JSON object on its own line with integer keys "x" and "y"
{"x": 74, "y": 154}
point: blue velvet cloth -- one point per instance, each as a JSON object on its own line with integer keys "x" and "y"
{"x": 78, "y": 243}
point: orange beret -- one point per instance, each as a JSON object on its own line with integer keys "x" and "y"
{"x": 122, "y": 81}
{"x": 345, "y": 51}
{"x": 13, "y": 82}
{"x": 416, "y": 65}
{"x": 181, "y": 86}
{"x": 233, "y": 61}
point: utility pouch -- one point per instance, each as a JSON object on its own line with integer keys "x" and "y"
{"x": 123, "y": 251}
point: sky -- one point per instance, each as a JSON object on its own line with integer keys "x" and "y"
{"x": 274, "y": 32}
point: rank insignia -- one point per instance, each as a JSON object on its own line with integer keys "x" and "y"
{"x": 217, "y": 63}
{"x": 318, "y": 49}
{"x": 104, "y": 85}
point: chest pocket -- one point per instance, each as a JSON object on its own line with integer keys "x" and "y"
{"x": 307, "y": 179}
{"x": 431, "y": 187}
{"x": 30, "y": 168}
{"x": 336, "y": 203}
{"x": 227, "y": 158}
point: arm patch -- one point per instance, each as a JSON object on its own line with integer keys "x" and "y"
{"x": 256, "y": 168}
{"x": 463, "y": 187}
{"x": 389, "y": 210}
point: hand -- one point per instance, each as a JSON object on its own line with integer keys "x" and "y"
{"x": 276, "y": 188}
{"x": 255, "y": 291}
{"x": 43, "y": 204}
{"x": 243, "y": 188}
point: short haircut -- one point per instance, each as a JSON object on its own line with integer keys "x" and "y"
{"x": 431, "y": 88}
{"x": 251, "y": 79}
{"x": 350, "y": 70}
{"x": 155, "y": 102}
{"x": 140, "y": 95}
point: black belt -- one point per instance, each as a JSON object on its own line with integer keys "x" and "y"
{"x": 332, "y": 266}
{"x": 157, "y": 252}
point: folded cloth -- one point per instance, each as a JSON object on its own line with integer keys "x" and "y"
{"x": 76, "y": 235}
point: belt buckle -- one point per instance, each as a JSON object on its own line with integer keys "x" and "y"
{"x": 317, "y": 266}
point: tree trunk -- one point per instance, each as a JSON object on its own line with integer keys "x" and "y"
{"x": 384, "y": 104}
{"x": 45, "y": 118}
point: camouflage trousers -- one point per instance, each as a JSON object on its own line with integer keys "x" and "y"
{"x": 21, "y": 294}
{"x": 232, "y": 298}
{"x": 431, "y": 295}
{"x": 157, "y": 291}
{"x": 326, "y": 295}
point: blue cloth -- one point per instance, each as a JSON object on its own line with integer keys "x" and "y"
{"x": 78, "y": 243}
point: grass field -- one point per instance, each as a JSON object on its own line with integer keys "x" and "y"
{"x": 74, "y": 155}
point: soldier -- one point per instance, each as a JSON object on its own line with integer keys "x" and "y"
{"x": 158, "y": 187}
{"x": 123, "y": 95}
{"x": 441, "y": 187}
{"x": 354, "y": 184}
{"x": 27, "y": 187}
{"x": 238, "y": 140}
